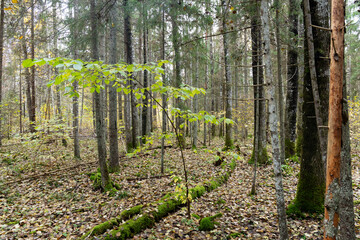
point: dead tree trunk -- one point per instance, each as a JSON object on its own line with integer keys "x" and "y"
{"x": 333, "y": 178}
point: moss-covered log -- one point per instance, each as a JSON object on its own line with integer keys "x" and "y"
{"x": 103, "y": 227}
{"x": 168, "y": 204}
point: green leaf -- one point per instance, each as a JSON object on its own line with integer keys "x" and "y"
{"x": 27, "y": 63}
{"x": 77, "y": 67}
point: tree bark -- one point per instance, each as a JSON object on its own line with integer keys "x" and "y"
{"x": 333, "y": 178}
{"x": 146, "y": 102}
{"x": 311, "y": 184}
{"x": 99, "y": 117}
{"x": 2, "y": 17}
{"x": 76, "y": 89}
{"x": 32, "y": 118}
{"x": 258, "y": 80}
{"x": 228, "y": 104}
{"x": 114, "y": 165}
{"x": 130, "y": 114}
{"x": 178, "y": 82}
{"x": 346, "y": 207}
{"x": 292, "y": 80}
{"x": 195, "y": 103}
{"x": 274, "y": 123}
{"x": 313, "y": 77}
{"x": 279, "y": 82}
{"x": 164, "y": 95}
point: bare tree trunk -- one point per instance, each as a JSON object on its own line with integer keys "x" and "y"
{"x": 273, "y": 123}
{"x": 292, "y": 80}
{"x": 105, "y": 178}
{"x": 128, "y": 54}
{"x": 76, "y": 88}
{"x": 175, "y": 40}
{"x": 164, "y": 95}
{"x": 2, "y": 12}
{"x": 114, "y": 165}
{"x": 146, "y": 102}
{"x": 333, "y": 177}
{"x": 32, "y": 76}
{"x": 258, "y": 81}
{"x": 346, "y": 206}
{"x": 228, "y": 104}
{"x": 195, "y": 103}
{"x": 279, "y": 84}
{"x": 314, "y": 84}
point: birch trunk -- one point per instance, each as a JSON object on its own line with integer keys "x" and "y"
{"x": 274, "y": 119}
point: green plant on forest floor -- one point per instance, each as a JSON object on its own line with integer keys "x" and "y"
{"x": 208, "y": 223}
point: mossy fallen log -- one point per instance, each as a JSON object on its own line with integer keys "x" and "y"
{"x": 158, "y": 210}
{"x": 103, "y": 227}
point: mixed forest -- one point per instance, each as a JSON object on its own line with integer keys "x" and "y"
{"x": 180, "y": 119}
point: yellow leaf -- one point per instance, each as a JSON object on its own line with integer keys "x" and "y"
{"x": 8, "y": 8}
{"x": 21, "y": 37}
{"x": 231, "y": 8}
{"x": 14, "y": 1}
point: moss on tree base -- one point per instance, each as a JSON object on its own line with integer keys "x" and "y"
{"x": 289, "y": 148}
{"x": 112, "y": 187}
{"x": 263, "y": 157}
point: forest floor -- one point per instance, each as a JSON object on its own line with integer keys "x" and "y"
{"x": 46, "y": 194}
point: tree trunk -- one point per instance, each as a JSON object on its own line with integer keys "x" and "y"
{"x": 146, "y": 102}
{"x": 175, "y": 40}
{"x": 105, "y": 178}
{"x": 228, "y": 104}
{"x": 2, "y": 12}
{"x": 313, "y": 76}
{"x": 32, "y": 76}
{"x": 164, "y": 95}
{"x": 333, "y": 178}
{"x": 128, "y": 99}
{"x": 195, "y": 103}
{"x": 258, "y": 81}
{"x": 346, "y": 207}
{"x": 311, "y": 184}
{"x": 76, "y": 88}
{"x": 114, "y": 165}
{"x": 274, "y": 123}
{"x": 292, "y": 80}
{"x": 279, "y": 83}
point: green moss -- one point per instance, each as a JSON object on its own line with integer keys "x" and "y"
{"x": 114, "y": 169}
{"x": 207, "y": 223}
{"x": 356, "y": 202}
{"x": 96, "y": 178}
{"x": 131, "y": 212}
{"x": 101, "y": 228}
{"x": 131, "y": 227}
{"x": 165, "y": 208}
{"x": 299, "y": 142}
{"x": 197, "y": 191}
{"x": 263, "y": 157}
{"x": 289, "y": 148}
